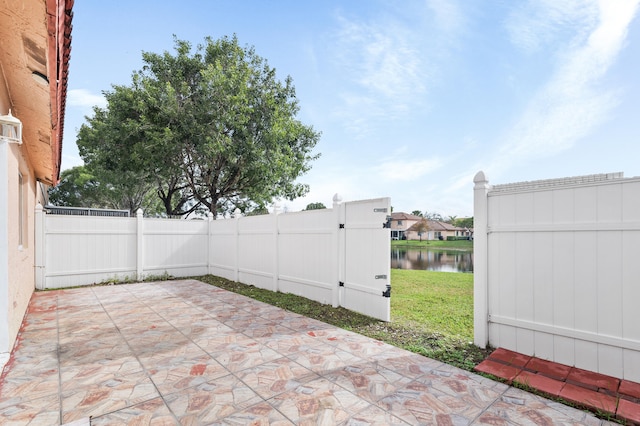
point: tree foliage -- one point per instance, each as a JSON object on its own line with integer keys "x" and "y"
{"x": 421, "y": 227}
{"x": 315, "y": 206}
{"x": 464, "y": 222}
{"x": 79, "y": 187}
{"x": 207, "y": 129}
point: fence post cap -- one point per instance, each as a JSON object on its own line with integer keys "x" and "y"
{"x": 210, "y": 216}
{"x": 276, "y": 208}
{"x": 237, "y": 212}
{"x": 337, "y": 198}
{"x": 480, "y": 177}
{"x": 139, "y": 212}
{"x": 39, "y": 207}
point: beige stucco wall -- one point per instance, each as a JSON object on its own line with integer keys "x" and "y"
{"x": 21, "y": 259}
{"x": 17, "y": 277}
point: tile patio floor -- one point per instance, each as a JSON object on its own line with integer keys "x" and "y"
{"x": 184, "y": 352}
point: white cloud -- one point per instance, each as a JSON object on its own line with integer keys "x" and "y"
{"x": 85, "y": 99}
{"x": 448, "y": 15}
{"x": 536, "y": 24}
{"x": 382, "y": 58}
{"x": 395, "y": 170}
{"x": 388, "y": 62}
{"x": 571, "y": 104}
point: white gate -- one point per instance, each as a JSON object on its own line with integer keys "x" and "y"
{"x": 366, "y": 286}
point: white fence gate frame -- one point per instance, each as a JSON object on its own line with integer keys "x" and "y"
{"x": 367, "y": 273}
{"x": 556, "y": 270}
{"x": 310, "y": 253}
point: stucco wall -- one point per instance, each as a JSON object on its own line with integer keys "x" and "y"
{"x": 21, "y": 258}
{"x": 17, "y": 280}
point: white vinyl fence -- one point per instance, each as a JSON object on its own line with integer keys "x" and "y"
{"x": 556, "y": 270}
{"x": 338, "y": 256}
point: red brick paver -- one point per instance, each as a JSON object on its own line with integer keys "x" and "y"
{"x": 548, "y": 368}
{"x": 628, "y": 411}
{"x": 597, "y": 392}
{"x": 592, "y": 380}
{"x": 509, "y": 357}
{"x": 497, "y": 369}
{"x": 589, "y": 398}
{"x": 541, "y": 383}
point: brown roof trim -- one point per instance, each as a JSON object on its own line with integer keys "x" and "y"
{"x": 59, "y": 17}
{"x": 404, "y": 216}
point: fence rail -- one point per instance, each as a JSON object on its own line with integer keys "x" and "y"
{"x": 301, "y": 253}
{"x": 555, "y": 270}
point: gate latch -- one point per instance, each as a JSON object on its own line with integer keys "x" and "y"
{"x": 387, "y": 292}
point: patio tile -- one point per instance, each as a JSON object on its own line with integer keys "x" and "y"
{"x": 105, "y": 394}
{"x": 318, "y": 402}
{"x": 183, "y": 352}
{"x": 259, "y": 414}
{"x": 193, "y": 327}
{"x": 275, "y": 377}
{"x": 92, "y": 352}
{"x": 420, "y": 403}
{"x": 81, "y": 373}
{"x": 46, "y": 384}
{"x": 373, "y": 416}
{"x": 152, "y": 412}
{"x": 266, "y": 330}
{"x": 212, "y": 401}
{"x": 177, "y": 373}
{"x": 41, "y": 411}
{"x": 289, "y": 343}
{"x": 406, "y": 363}
{"x": 216, "y": 343}
{"x": 367, "y": 380}
{"x": 313, "y": 327}
{"x": 517, "y": 407}
{"x": 324, "y": 359}
{"x": 237, "y": 357}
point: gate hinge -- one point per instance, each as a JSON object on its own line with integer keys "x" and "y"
{"x": 387, "y": 292}
{"x": 340, "y": 283}
{"x": 341, "y": 226}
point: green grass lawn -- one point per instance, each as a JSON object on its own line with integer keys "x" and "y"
{"x": 433, "y": 301}
{"x": 431, "y": 314}
{"x": 456, "y": 245}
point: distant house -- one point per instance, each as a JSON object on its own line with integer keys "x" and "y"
{"x": 436, "y": 230}
{"x": 34, "y": 63}
{"x": 400, "y": 223}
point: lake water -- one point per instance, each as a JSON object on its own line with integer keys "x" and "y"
{"x": 432, "y": 259}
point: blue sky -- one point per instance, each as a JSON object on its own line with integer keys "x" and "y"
{"x": 413, "y": 98}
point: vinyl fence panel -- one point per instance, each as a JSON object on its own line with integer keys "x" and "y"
{"x": 308, "y": 257}
{"x": 86, "y": 249}
{"x": 558, "y": 277}
{"x": 175, "y": 247}
{"x": 307, "y": 253}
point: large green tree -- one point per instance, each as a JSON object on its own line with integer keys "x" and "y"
{"x": 211, "y": 128}
{"x": 79, "y": 187}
